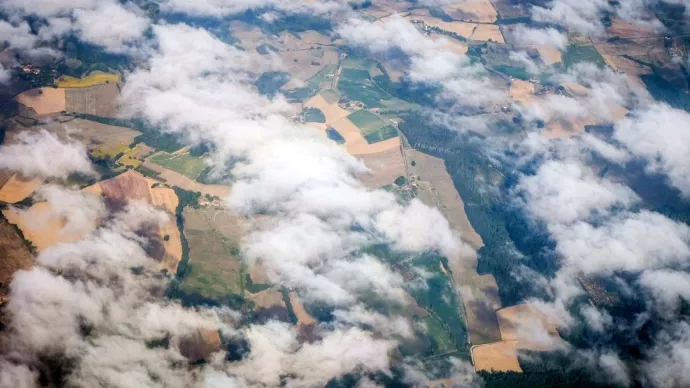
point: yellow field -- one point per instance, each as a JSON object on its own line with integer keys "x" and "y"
{"x": 497, "y": 356}
{"x": 129, "y": 158}
{"x": 17, "y": 188}
{"x": 93, "y": 79}
{"x": 472, "y": 11}
{"x": 109, "y": 152}
{"x": 550, "y": 55}
{"x": 486, "y": 32}
{"x": 331, "y": 111}
{"x": 522, "y": 91}
{"x": 512, "y": 320}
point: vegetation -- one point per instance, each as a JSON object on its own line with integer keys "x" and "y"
{"x": 186, "y": 198}
{"x": 93, "y": 79}
{"x": 313, "y": 85}
{"x": 313, "y": 115}
{"x": 185, "y": 164}
{"x": 400, "y": 181}
{"x": 381, "y": 134}
{"x": 357, "y": 85}
{"x": 265, "y": 49}
{"x": 513, "y": 71}
{"x": 575, "y": 54}
{"x": 252, "y": 287}
{"x": 151, "y": 135}
{"x": 366, "y": 121}
{"x": 270, "y": 82}
{"x": 663, "y": 90}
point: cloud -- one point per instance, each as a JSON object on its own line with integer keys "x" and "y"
{"x": 667, "y": 363}
{"x": 578, "y": 15}
{"x": 524, "y": 35}
{"x": 562, "y": 192}
{"x": 464, "y": 82}
{"x": 5, "y": 75}
{"x": 660, "y": 136}
{"x": 85, "y": 18}
{"x": 666, "y": 287}
{"x": 627, "y": 242}
{"x": 42, "y": 154}
{"x": 220, "y": 8}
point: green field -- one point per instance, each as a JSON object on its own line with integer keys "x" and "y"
{"x": 330, "y": 95}
{"x": 440, "y": 340}
{"x": 313, "y": 85}
{"x": 513, "y": 71}
{"x": 357, "y": 85}
{"x": 381, "y": 134}
{"x": 576, "y": 54}
{"x": 366, "y": 121}
{"x": 186, "y": 165}
{"x": 313, "y": 115}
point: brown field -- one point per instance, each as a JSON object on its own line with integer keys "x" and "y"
{"x": 497, "y": 356}
{"x": 258, "y": 273}
{"x": 98, "y": 100}
{"x": 331, "y": 111}
{"x": 166, "y": 199}
{"x": 356, "y": 144}
{"x": 472, "y": 11}
{"x": 250, "y": 36}
{"x": 18, "y": 188}
{"x": 41, "y": 225}
{"x": 395, "y": 73}
{"x": 385, "y": 167}
{"x": 433, "y": 170}
{"x": 481, "y": 300}
{"x": 15, "y": 256}
{"x": 550, "y": 55}
{"x": 94, "y": 135}
{"x": 522, "y": 91}
{"x": 303, "y": 317}
{"x": 511, "y": 9}
{"x": 487, "y": 32}
{"x": 173, "y": 178}
{"x": 514, "y": 320}
{"x": 44, "y": 100}
{"x": 299, "y": 63}
{"x": 267, "y": 299}
{"x": 314, "y": 37}
{"x": 450, "y": 44}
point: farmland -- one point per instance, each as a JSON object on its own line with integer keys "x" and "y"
{"x": 366, "y": 121}
{"x": 214, "y": 270}
{"x": 15, "y": 255}
{"x": 356, "y": 85}
{"x": 582, "y": 53}
{"x": 180, "y": 162}
{"x": 93, "y": 79}
{"x": 43, "y": 100}
{"x": 17, "y": 188}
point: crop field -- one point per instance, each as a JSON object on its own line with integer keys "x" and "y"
{"x": 43, "y": 100}
{"x": 331, "y": 96}
{"x": 16, "y": 188}
{"x": 514, "y": 319}
{"x": 174, "y": 178}
{"x": 497, "y": 356}
{"x": 586, "y": 53}
{"x": 513, "y": 71}
{"x": 356, "y": 85}
{"x": 487, "y": 33}
{"x": 472, "y": 11}
{"x": 331, "y": 111}
{"x": 312, "y": 85}
{"x": 381, "y": 134}
{"x": 93, "y": 79}
{"x": 183, "y": 163}
{"x": 100, "y": 100}
{"x": 522, "y": 91}
{"x": 101, "y": 139}
{"x": 15, "y": 255}
{"x": 313, "y": 115}
{"x": 303, "y": 317}
{"x": 440, "y": 340}
{"x": 385, "y": 167}
{"x": 550, "y": 55}
{"x": 214, "y": 271}
{"x": 366, "y": 121}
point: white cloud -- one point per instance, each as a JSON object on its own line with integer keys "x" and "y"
{"x": 660, "y": 135}
{"x": 219, "y": 8}
{"x": 567, "y": 191}
{"x": 578, "y": 15}
{"x": 540, "y": 36}
{"x": 125, "y": 24}
{"x": 43, "y": 154}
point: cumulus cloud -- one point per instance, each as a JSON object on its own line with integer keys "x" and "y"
{"x": 567, "y": 191}
{"x": 582, "y": 16}
{"x": 5, "y": 75}
{"x": 660, "y": 136}
{"x": 85, "y": 18}
{"x": 627, "y": 242}
{"x": 42, "y": 154}
{"x": 320, "y": 213}
{"x": 219, "y": 8}
{"x": 540, "y": 36}
{"x": 431, "y": 61}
